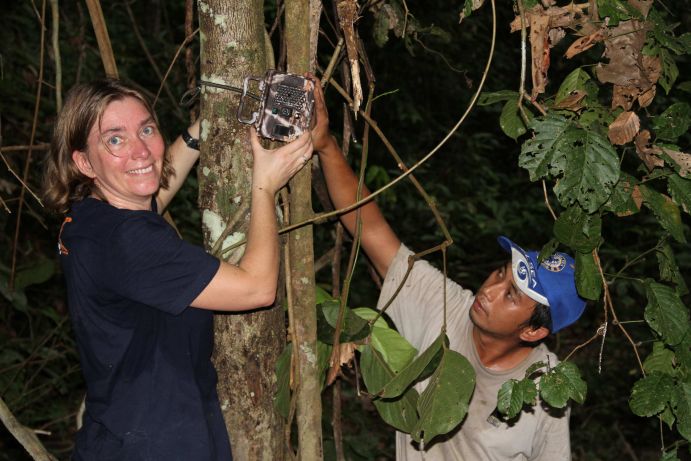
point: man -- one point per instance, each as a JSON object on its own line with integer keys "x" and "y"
{"x": 499, "y": 330}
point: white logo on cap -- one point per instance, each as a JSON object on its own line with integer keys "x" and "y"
{"x": 555, "y": 263}
{"x": 525, "y": 277}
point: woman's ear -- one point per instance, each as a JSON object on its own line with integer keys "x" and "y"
{"x": 531, "y": 335}
{"x": 83, "y": 164}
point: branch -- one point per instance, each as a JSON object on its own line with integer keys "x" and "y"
{"x": 24, "y": 435}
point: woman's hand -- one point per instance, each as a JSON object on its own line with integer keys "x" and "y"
{"x": 274, "y": 167}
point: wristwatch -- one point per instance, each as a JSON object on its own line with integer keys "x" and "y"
{"x": 191, "y": 142}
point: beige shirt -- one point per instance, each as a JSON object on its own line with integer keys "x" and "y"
{"x": 418, "y": 313}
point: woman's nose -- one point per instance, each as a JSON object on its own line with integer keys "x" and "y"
{"x": 140, "y": 149}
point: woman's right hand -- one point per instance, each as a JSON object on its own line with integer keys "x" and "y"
{"x": 274, "y": 167}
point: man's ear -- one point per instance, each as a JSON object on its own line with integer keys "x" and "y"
{"x": 531, "y": 335}
{"x": 83, "y": 164}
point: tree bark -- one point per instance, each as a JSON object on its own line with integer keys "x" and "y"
{"x": 301, "y": 47}
{"x": 247, "y": 345}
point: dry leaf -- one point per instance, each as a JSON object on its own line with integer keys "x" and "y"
{"x": 585, "y": 43}
{"x": 680, "y": 158}
{"x": 652, "y": 65}
{"x": 572, "y": 101}
{"x": 623, "y": 49}
{"x": 624, "y": 128}
{"x": 556, "y": 34}
{"x": 571, "y": 16}
{"x": 624, "y": 96}
{"x": 539, "y": 52}
{"x": 347, "y": 15}
{"x": 647, "y": 96}
{"x": 341, "y": 355}
{"x": 648, "y": 154}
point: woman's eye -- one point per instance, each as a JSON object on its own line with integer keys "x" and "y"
{"x": 148, "y": 130}
{"x": 115, "y": 140}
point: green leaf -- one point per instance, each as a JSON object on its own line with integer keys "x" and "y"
{"x": 487, "y": 99}
{"x": 592, "y": 169}
{"x": 670, "y": 455}
{"x": 511, "y": 121}
{"x": 396, "y": 351}
{"x": 562, "y": 383}
{"x": 354, "y": 327}
{"x": 670, "y": 71}
{"x": 622, "y": 202}
{"x": 514, "y": 394}
{"x": 660, "y": 359}
{"x": 673, "y": 122}
{"x": 578, "y": 230}
{"x": 577, "y": 80}
{"x": 666, "y": 212}
{"x": 669, "y": 271}
{"x": 548, "y": 249}
{"x": 682, "y": 351}
{"x": 665, "y": 313}
{"x": 616, "y": 11}
{"x": 588, "y": 280}
{"x": 542, "y": 155}
{"x": 282, "y": 397}
{"x": 650, "y": 395}
{"x": 444, "y": 402}
{"x": 401, "y": 412}
{"x": 681, "y": 403}
{"x": 39, "y": 272}
{"x": 412, "y": 372}
{"x": 680, "y": 190}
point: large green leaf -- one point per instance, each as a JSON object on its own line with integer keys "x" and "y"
{"x": 487, "y": 99}
{"x": 670, "y": 71}
{"x": 562, "y": 383}
{"x": 592, "y": 169}
{"x": 680, "y": 190}
{"x": 412, "y": 372}
{"x": 666, "y": 212}
{"x": 673, "y": 122}
{"x": 282, "y": 396}
{"x": 578, "y": 230}
{"x": 588, "y": 279}
{"x": 542, "y": 155}
{"x": 396, "y": 351}
{"x": 665, "y": 313}
{"x": 681, "y": 402}
{"x": 660, "y": 359}
{"x": 650, "y": 395}
{"x": 514, "y": 394}
{"x": 400, "y": 412}
{"x": 669, "y": 270}
{"x": 444, "y": 402}
{"x": 39, "y": 272}
{"x": 616, "y": 10}
{"x": 511, "y": 121}
{"x": 353, "y": 328}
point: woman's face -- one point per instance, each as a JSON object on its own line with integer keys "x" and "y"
{"x": 124, "y": 155}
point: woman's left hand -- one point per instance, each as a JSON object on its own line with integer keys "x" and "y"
{"x": 274, "y": 167}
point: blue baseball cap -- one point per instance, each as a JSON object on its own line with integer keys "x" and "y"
{"x": 551, "y": 282}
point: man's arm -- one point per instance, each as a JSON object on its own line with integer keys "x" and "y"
{"x": 378, "y": 239}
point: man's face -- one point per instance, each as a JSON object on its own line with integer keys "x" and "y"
{"x": 500, "y": 308}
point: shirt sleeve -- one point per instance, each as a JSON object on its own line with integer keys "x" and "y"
{"x": 418, "y": 308}
{"x": 148, "y": 263}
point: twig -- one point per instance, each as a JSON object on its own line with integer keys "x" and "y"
{"x": 42, "y": 146}
{"x": 101, "y": 31}
{"x": 172, "y": 62}
{"x": 55, "y": 15}
{"x": 189, "y": 59}
{"x": 24, "y": 435}
{"x": 549, "y": 207}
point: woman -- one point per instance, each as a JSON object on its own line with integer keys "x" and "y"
{"x": 140, "y": 298}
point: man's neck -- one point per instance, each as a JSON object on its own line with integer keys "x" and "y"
{"x": 497, "y": 353}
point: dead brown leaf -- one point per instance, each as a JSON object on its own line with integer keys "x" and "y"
{"x": 624, "y": 128}
{"x": 347, "y": 16}
{"x": 572, "y": 101}
{"x": 647, "y": 96}
{"x": 571, "y": 17}
{"x": 585, "y": 43}
{"x": 539, "y": 52}
{"x": 343, "y": 354}
{"x": 623, "y": 49}
{"x": 624, "y": 96}
{"x": 652, "y": 65}
{"x": 681, "y": 159}
{"x": 641, "y": 5}
{"x": 647, "y": 153}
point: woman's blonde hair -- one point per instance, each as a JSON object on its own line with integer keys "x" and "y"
{"x": 63, "y": 183}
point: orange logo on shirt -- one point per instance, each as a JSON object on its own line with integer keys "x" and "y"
{"x": 62, "y": 249}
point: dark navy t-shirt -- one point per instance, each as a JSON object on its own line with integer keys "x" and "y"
{"x": 145, "y": 354}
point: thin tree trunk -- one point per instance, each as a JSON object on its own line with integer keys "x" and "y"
{"x": 247, "y": 345}
{"x": 301, "y": 48}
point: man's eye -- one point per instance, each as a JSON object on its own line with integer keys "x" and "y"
{"x": 148, "y": 130}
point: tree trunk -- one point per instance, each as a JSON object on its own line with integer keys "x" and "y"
{"x": 301, "y": 47}
{"x": 247, "y": 345}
